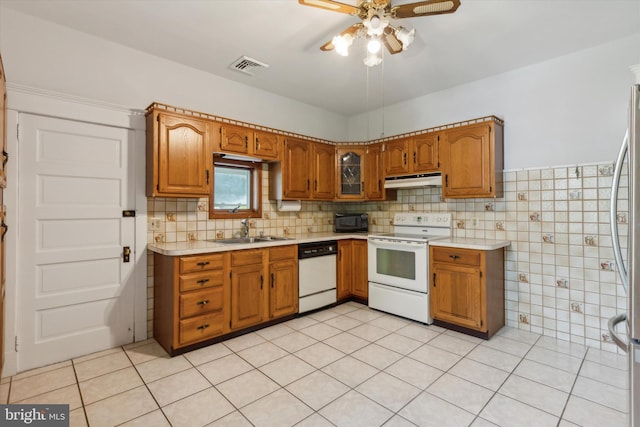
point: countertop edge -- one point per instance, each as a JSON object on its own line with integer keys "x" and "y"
{"x": 467, "y": 243}
{"x": 197, "y": 247}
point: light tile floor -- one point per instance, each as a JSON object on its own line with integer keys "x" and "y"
{"x": 344, "y": 366}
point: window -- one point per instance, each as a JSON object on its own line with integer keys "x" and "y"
{"x": 236, "y": 191}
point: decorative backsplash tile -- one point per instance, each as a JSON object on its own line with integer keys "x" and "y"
{"x": 559, "y": 277}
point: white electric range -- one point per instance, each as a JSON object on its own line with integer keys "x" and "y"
{"x": 399, "y": 264}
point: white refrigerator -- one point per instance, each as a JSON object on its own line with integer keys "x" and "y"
{"x": 629, "y": 273}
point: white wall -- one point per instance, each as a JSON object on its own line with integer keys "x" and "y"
{"x": 43, "y": 55}
{"x": 569, "y": 110}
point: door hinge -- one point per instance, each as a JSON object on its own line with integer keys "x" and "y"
{"x": 17, "y": 131}
{"x": 434, "y": 280}
{"x": 15, "y": 345}
{"x": 481, "y": 274}
{"x": 207, "y": 176}
{"x": 129, "y": 214}
{"x": 230, "y": 275}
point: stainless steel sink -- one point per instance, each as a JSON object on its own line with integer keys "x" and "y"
{"x": 249, "y": 239}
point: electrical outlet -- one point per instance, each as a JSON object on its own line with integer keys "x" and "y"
{"x": 155, "y": 224}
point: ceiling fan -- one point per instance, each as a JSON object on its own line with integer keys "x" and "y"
{"x": 376, "y": 27}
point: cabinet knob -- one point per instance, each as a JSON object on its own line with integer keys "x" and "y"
{"x": 454, "y": 257}
{"x": 203, "y": 302}
{"x": 203, "y": 327}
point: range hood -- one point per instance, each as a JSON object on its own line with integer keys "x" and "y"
{"x": 414, "y": 181}
{"x": 241, "y": 157}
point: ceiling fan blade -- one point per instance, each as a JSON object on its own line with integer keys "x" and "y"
{"x": 425, "y": 8}
{"x": 352, "y": 30}
{"x": 391, "y": 42}
{"x": 331, "y": 5}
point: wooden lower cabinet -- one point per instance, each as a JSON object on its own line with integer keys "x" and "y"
{"x": 352, "y": 280}
{"x": 198, "y": 298}
{"x": 467, "y": 289}
{"x": 189, "y": 299}
{"x": 283, "y": 281}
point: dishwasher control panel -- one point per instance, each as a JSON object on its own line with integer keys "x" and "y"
{"x": 315, "y": 249}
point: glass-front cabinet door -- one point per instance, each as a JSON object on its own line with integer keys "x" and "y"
{"x": 350, "y": 173}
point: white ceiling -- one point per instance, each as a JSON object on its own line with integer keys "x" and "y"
{"x": 482, "y": 38}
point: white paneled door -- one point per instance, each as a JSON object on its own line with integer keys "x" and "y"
{"x": 75, "y": 292}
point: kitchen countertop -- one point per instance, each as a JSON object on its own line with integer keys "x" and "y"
{"x": 195, "y": 247}
{"x": 469, "y": 243}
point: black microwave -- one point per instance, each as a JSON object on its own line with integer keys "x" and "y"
{"x": 350, "y": 222}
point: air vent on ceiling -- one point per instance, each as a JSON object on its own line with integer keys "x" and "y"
{"x": 247, "y": 65}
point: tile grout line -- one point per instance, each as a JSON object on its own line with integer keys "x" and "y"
{"x": 84, "y": 410}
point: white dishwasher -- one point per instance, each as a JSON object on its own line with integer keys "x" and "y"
{"x": 316, "y": 275}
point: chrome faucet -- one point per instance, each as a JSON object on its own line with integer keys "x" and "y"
{"x": 245, "y": 227}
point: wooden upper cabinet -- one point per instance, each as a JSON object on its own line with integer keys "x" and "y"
{"x": 296, "y": 167}
{"x": 266, "y": 145}
{"x": 323, "y": 185}
{"x": 425, "y": 152}
{"x": 179, "y": 155}
{"x": 350, "y": 173}
{"x": 472, "y": 159}
{"x": 237, "y": 139}
{"x": 396, "y": 157}
{"x": 305, "y": 171}
{"x": 374, "y": 173}
{"x": 416, "y": 154}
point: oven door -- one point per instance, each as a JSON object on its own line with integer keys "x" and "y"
{"x": 402, "y": 264}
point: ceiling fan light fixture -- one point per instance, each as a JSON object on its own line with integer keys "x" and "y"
{"x": 372, "y": 59}
{"x": 374, "y": 45}
{"x": 375, "y": 25}
{"x": 405, "y": 36}
{"x": 341, "y": 43}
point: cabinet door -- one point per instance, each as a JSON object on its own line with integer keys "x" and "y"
{"x": 235, "y": 139}
{"x": 283, "y": 288}
{"x": 3, "y": 128}
{"x": 374, "y": 173}
{"x": 265, "y": 145}
{"x": 323, "y": 176}
{"x": 350, "y": 173}
{"x": 425, "y": 153}
{"x": 344, "y": 269}
{"x": 184, "y": 156}
{"x": 296, "y": 162}
{"x": 360, "y": 281}
{"x": 467, "y": 162}
{"x": 247, "y": 296}
{"x": 456, "y": 295}
{"x": 395, "y": 157}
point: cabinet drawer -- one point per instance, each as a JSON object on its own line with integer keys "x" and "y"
{"x": 283, "y": 252}
{"x": 196, "y": 281}
{"x": 248, "y": 257}
{"x": 457, "y": 256}
{"x": 204, "y": 301}
{"x": 193, "y": 264}
{"x": 201, "y": 327}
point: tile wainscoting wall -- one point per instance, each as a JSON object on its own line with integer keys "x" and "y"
{"x": 560, "y": 277}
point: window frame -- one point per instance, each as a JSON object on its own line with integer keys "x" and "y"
{"x": 255, "y": 189}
